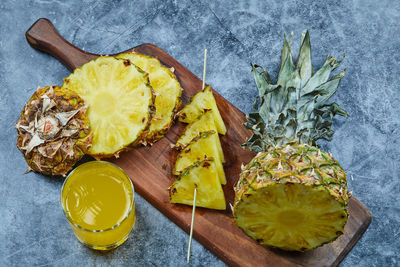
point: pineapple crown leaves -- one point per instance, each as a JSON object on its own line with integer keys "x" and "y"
{"x": 295, "y": 109}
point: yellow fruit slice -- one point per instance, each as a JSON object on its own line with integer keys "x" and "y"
{"x": 203, "y": 175}
{"x": 167, "y": 90}
{"x": 200, "y": 102}
{"x": 202, "y": 146}
{"x": 203, "y": 123}
{"x": 120, "y": 102}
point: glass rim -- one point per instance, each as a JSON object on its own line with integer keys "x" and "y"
{"x": 98, "y": 230}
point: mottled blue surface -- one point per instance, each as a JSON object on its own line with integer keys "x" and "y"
{"x": 33, "y": 230}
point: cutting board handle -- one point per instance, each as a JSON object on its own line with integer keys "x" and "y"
{"x": 42, "y": 35}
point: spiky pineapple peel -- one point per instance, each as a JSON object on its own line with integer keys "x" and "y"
{"x": 53, "y": 130}
{"x": 295, "y": 109}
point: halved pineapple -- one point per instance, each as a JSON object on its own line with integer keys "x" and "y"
{"x": 167, "y": 89}
{"x": 120, "y": 103}
{"x": 291, "y": 216}
{"x": 201, "y": 101}
{"x": 202, "y": 146}
{"x": 202, "y": 174}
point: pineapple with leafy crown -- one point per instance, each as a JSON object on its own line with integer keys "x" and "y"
{"x": 292, "y": 195}
{"x": 120, "y": 100}
{"x": 53, "y": 130}
{"x": 167, "y": 89}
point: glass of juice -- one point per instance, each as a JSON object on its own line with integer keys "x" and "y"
{"x": 98, "y": 201}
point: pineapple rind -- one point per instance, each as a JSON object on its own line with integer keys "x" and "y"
{"x": 203, "y": 123}
{"x": 167, "y": 89}
{"x": 59, "y": 153}
{"x": 200, "y": 102}
{"x": 296, "y": 164}
{"x": 203, "y": 175}
{"x": 126, "y": 124}
{"x": 202, "y": 146}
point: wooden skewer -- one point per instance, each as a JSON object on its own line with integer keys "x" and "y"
{"x": 191, "y": 226}
{"x": 195, "y": 186}
{"x": 204, "y": 69}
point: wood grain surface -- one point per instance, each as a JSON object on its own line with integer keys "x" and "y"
{"x": 150, "y": 171}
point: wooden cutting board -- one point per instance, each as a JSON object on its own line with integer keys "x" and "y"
{"x": 150, "y": 171}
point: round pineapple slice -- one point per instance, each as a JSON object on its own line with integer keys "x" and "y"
{"x": 120, "y": 103}
{"x": 293, "y": 197}
{"x": 167, "y": 89}
{"x": 53, "y": 130}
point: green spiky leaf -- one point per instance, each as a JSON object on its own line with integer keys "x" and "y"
{"x": 296, "y": 108}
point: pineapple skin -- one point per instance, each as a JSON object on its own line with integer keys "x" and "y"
{"x": 58, "y": 154}
{"x": 155, "y": 134}
{"x": 300, "y": 164}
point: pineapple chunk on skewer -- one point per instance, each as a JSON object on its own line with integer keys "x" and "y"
{"x": 204, "y": 122}
{"x": 202, "y": 174}
{"x": 204, "y": 145}
{"x": 198, "y": 103}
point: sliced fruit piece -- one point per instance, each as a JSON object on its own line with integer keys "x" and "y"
{"x": 53, "y": 130}
{"x": 203, "y": 123}
{"x": 202, "y": 146}
{"x": 201, "y": 101}
{"x": 203, "y": 175}
{"x": 120, "y": 103}
{"x": 167, "y": 89}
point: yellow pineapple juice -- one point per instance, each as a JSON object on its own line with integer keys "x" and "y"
{"x": 98, "y": 201}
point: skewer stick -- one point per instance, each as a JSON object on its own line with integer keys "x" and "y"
{"x": 204, "y": 69}
{"x": 195, "y": 186}
{"x": 191, "y": 226}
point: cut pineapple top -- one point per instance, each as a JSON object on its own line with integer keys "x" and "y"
{"x": 205, "y": 145}
{"x": 203, "y": 123}
{"x": 120, "y": 102}
{"x": 203, "y": 175}
{"x": 167, "y": 89}
{"x": 200, "y": 102}
{"x": 291, "y": 216}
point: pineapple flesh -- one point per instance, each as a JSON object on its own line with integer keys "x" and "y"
{"x": 167, "y": 89}
{"x": 53, "y": 130}
{"x": 204, "y": 176}
{"x": 205, "y": 145}
{"x": 292, "y": 195}
{"x": 203, "y": 123}
{"x": 199, "y": 103}
{"x": 120, "y": 101}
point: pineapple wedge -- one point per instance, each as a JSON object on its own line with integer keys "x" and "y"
{"x": 198, "y": 103}
{"x": 167, "y": 89}
{"x": 202, "y": 124}
{"x": 202, "y": 146}
{"x": 120, "y": 102}
{"x": 202, "y": 174}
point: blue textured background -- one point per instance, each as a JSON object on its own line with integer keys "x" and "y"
{"x": 33, "y": 230}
